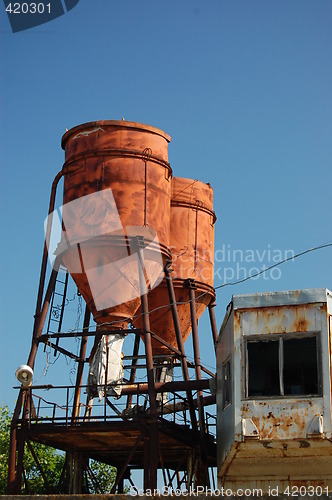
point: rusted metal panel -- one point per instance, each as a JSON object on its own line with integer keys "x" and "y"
{"x": 282, "y": 419}
{"x": 277, "y": 464}
{"x": 282, "y": 319}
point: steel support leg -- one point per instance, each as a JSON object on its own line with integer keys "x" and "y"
{"x": 46, "y": 244}
{"x": 152, "y": 448}
{"x": 180, "y": 343}
{"x": 80, "y": 367}
{"x": 40, "y": 321}
{"x": 133, "y": 369}
{"x": 213, "y": 322}
{"x": 197, "y": 357}
{"x": 12, "y": 484}
{"x": 202, "y": 471}
{"x": 75, "y": 469}
{"x": 19, "y": 466}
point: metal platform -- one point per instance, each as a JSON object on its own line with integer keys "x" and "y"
{"x": 119, "y": 442}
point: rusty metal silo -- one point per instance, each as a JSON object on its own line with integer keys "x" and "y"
{"x": 117, "y": 183}
{"x": 124, "y": 222}
{"x": 192, "y": 247}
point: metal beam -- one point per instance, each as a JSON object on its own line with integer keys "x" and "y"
{"x": 133, "y": 369}
{"x": 80, "y": 367}
{"x": 177, "y": 386}
{"x": 61, "y": 349}
{"x": 152, "y": 445}
{"x": 177, "y": 328}
{"x": 213, "y": 322}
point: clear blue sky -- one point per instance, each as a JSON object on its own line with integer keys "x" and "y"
{"x": 244, "y": 88}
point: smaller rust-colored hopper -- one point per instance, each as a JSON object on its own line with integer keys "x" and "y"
{"x": 192, "y": 247}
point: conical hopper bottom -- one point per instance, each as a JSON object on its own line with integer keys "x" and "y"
{"x": 160, "y": 314}
{"x": 106, "y": 270}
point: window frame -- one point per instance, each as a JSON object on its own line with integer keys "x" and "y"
{"x": 227, "y": 403}
{"x": 280, "y": 337}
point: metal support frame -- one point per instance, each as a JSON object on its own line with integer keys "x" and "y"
{"x": 149, "y": 433}
{"x": 202, "y": 467}
{"x": 14, "y": 485}
{"x": 14, "y": 468}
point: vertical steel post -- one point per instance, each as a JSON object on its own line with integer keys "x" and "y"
{"x": 152, "y": 445}
{"x": 133, "y": 369}
{"x": 183, "y": 360}
{"x": 19, "y": 467}
{"x": 147, "y": 336}
{"x": 146, "y": 463}
{"x": 46, "y": 243}
{"x": 75, "y": 468}
{"x": 213, "y": 322}
{"x": 202, "y": 466}
{"x": 63, "y": 302}
{"x": 192, "y": 287}
{"x": 13, "y": 445}
{"x": 12, "y": 484}
{"x": 80, "y": 367}
{"x": 40, "y": 321}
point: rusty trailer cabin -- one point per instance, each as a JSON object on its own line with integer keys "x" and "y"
{"x": 274, "y": 391}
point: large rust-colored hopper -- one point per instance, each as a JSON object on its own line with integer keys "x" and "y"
{"x": 117, "y": 184}
{"x": 192, "y": 246}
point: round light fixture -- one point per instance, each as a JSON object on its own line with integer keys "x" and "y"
{"x": 24, "y": 374}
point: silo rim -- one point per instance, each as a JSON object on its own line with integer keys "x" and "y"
{"x": 117, "y": 123}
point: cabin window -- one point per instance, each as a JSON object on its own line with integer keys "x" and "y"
{"x": 226, "y": 381}
{"x": 282, "y": 366}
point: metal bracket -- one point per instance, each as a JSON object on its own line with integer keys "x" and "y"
{"x": 190, "y": 283}
{"x": 249, "y": 429}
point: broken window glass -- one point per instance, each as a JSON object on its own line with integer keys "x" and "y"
{"x": 282, "y": 366}
{"x": 263, "y": 369}
{"x": 300, "y": 367}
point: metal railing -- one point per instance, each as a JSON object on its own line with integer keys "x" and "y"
{"x": 59, "y": 410}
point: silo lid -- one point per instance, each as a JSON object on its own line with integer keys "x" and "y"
{"x": 116, "y": 124}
